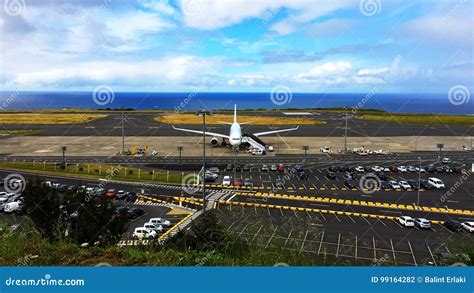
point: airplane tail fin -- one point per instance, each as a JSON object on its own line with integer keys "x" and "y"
{"x": 235, "y": 113}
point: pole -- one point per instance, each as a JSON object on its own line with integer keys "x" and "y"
{"x": 123, "y": 136}
{"x": 345, "y": 136}
{"x": 204, "y": 162}
{"x": 419, "y": 180}
{"x": 235, "y": 167}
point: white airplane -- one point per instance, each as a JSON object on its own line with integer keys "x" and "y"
{"x": 236, "y": 137}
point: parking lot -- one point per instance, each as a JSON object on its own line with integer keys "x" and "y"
{"x": 373, "y": 241}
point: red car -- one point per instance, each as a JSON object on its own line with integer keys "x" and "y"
{"x": 111, "y": 193}
{"x": 393, "y": 169}
{"x": 281, "y": 168}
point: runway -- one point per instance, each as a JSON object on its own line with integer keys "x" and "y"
{"x": 143, "y": 124}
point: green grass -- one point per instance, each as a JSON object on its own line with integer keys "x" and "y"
{"x": 425, "y": 119}
{"x": 19, "y": 132}
{"x": 99, "y": 171}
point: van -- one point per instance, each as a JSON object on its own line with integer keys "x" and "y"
{"x": 436, "y": 183}
{"x": 15, "y": 206}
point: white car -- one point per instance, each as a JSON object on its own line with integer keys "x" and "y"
{"x": 152, "y": 227}
{"x": 447, "y": 161}
{"x": 422, "y": 223}
{"x": 406, "y": 221}
{"x": 403, "y": 184}
{"x": 436, "y": 183}
{"x": 377, "y": 169}
{"x": 325, "y": 150}
{"x": 421, "y": 170}
{"x": 393, "y": 184}
{"x": 226, "y": 181}
{"x": 159, "y": 221}
{"x": 142, "y": 233}
{"x": 468, "y": 226}
{"x": 360, "y": 169}
{"x": 402, "y": 169}
{"x": 465, "y": 148}
{"x": 13, "y": 207}
{"x": 5, "y": 196}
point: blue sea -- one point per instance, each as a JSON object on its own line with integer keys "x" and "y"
{"x": 418, "y": 103}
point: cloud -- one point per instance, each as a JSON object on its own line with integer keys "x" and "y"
{"x": 330, "y": 72}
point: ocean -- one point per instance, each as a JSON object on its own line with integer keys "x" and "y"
{"x": 417, "y": 103}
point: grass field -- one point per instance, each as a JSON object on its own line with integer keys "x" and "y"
{"x": 422, "y": 119}
{"x": 36, "y": 118}
{"x": 219, "y": 118}
{"x": 98, "y": 171}
{"x": 19, "y": 132}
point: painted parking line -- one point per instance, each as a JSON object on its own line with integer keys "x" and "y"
{"x": 361, "y": 203}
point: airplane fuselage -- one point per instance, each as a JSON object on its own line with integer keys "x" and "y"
{"x": 235, "y": 135}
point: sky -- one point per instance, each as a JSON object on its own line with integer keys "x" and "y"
{"x": 236, "y": 45}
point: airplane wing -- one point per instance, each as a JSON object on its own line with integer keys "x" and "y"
{"x": 201, "y": 132}
{"x": 275, "y": 131}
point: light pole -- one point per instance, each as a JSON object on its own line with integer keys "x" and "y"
{"x": 123, "y": 136}
{"x": 203, "y": 113}
{"x": 180, "y": 149}
{"x": 63, "y": 148}
{"x": 305, "y": 148}
{"x": 440, "y": 146}
{"x": 345, "y": 134}
{"x": 419, "y": 182}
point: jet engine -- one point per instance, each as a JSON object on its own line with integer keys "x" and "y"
{"x": 214, "y": 141}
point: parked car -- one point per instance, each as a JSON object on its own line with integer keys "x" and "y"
{"x": 393, "y": 169}
{"x": 331, "y": 175}
{"x": 403, "y": 184}
{"x": 160, "y": 221}
{"x": 264, "y": 168}
{"x": 384, "y": 185}
{"x": 422, "y": 223}
{"x": 406, "y": 221}
{"x": 238, "y": 168}
{"x": 14, "y": 206}
{"x": 360, "y": 169}
{"x": 121, "y": 195}
{"x": 279, "y": 183}
{"x": 348, "y": 176}
{"x": 431, "y": 169}
{"x": 468, "y": 226}
{"x": 229, "y": 167}
{"x": 210, "y": 177}
{"x": 350, "y": 183}
{"x": 247, "y": 167}
{"x": 413, "y": 184}
{"x": 302, "y": 176}
{"x": 453, "y": 225}
{"x": 111, "y": 193}
{"x": 152, "y": 227}
{"x": 402, "y": 169}
{"x": 121, "y": 211}
{"x": 131, "y": 196}
{"x": 436, "y": 183}
{"x": 134, "y": 213}
{"x": 281, "y": 168}
{"x": 297, "y": 169}
{"x": 332, "y": 169}
{"x": 411, "y": 169}
{"x": 226, "y": 180}
{"x": 214, "y": 170}
{"x": 248, "y": 182}
{"x": 394, "y": 184}
{"x": 447, "y": 161}
{"x": 4, "y": 196}
{"x": 424, "y": 184}
{"x": 142, "y": 233}
{"x": 238, "y": 181}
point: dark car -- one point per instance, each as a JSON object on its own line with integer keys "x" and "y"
{"x": 457, "y": 169}
{"x": 413, "y": 183}
{"x": 343, "y": 168}
{"x": 331, "y": 175}
{"x": 381, "y": 175}
{"x": 302, "y": 176}
{"x": 297, "y": 169}
{"x": 424, "y": 184}
{"x": 439, "y": 169}
{"x": 248, "y": 182}
{"x": 332, "y": 169}
{"x": 350, "y": 183}
{"x": 121, "y": 196}
{"x": 431, "y": 169}
{"x": 72, "y": 189}
{"x": 63, "y": 188}
{"x": 134, "y": 213}
{"x": 453, "y": 225}
{"x": 348, "y": 176}
{"x": 246, "y": 167}
{"x": 131, "y": 196}
{"x": 238, "y": 168}
{"x": 279, "y": 183}
{"x": 384, "y": 185}
{"x": 121, "y": 211}
{"x": 229, "y": 167}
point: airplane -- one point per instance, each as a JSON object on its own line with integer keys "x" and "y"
{"x": 236, "y": 137}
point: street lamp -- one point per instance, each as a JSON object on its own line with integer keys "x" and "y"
{"x": 305, "y": 148}
{"x": 203, "y": 113}
{"x": 180, "y": 149}
{"x": 419, "y": 182}
{"x": 440, "y": 146}
{"x": 63, "y": 148}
